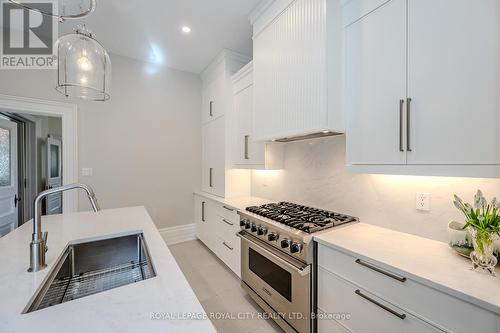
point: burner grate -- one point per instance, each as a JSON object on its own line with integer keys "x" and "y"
{"x": 304, "y": 218}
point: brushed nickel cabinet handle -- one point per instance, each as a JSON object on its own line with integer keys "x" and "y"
{"x": 227, "y": 222}
{"x": 376, "y": 269}
{"x": 246, "y": 148}
{"x": 401, "y": 107}
{"x": 408, "y": 124}
{"x": 391, "y": 311}
{"x": 210, "y": 178}
{"x": 228, "y": 208}
{"x": 229, "y": 247}
{"x": 211, "y": 110}
{"x": 203, "y": 211}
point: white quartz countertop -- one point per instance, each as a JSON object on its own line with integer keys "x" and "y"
{"x": 238, "y": 203}
{"x": 124, "y": 309}
{"x": 424, "y": 260}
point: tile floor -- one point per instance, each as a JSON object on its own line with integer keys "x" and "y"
{"x": 218, "y": 290}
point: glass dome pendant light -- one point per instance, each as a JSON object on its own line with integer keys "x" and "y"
{"x": 84, "y": 66}
{"x": 67, "y": 9}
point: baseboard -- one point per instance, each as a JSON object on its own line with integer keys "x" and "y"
{"x": 178, "y": 234}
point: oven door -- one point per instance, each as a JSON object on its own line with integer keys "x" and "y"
{"x": 281, "y": 281}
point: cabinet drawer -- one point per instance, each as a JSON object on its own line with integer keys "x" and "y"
{"x": 227, "y": 230}
{"x": 229, "y": 213}
{"x": 326, "y": 325}
{"x": 229, "y": 253}
{"x": 368, "y": 313}
{"x": 434, "y": 306}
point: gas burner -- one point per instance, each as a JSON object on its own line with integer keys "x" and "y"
{"x": 307, "y": 219}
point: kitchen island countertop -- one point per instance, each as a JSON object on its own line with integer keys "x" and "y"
{"x": 145, "y": 306}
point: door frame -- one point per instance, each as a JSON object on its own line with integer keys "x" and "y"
{"x": 68, "y": 113}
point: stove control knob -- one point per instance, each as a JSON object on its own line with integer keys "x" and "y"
{"x": 247, "y": 224}
{"x": 285, "y": 243}
{"x": 254, "y": 227}
{"x": 272, "y": 237}
{"x": 295, "y": 248}
{"x": 261, "y": 231}
{"x": 244, "y": 222}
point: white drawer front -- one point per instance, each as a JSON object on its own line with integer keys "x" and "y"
{"x": 338, "y": 296}
{"x": 229, "y": 253}
{"x": 227, "y": 229}
{"x": 228, "y": 213}
{"x": 435, "y": 307}
{"x": 329, "y": 325}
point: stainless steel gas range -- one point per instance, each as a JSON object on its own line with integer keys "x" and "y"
{"x": 277, "y": 256}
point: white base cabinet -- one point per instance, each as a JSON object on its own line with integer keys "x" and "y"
{"x": 380, "y": 300}
{"x": 216, "y": 227}
{"x": 367, "y": 312}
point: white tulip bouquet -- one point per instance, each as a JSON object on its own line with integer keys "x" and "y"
{"x": 483, "y": 223}
{"x": 484, "y": 216}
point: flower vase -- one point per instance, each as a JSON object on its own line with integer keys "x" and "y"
{"x": 484, "y": 244}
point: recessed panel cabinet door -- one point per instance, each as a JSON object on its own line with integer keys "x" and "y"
{"x": 205, "y": 158}
{"x": 204, "y": 216}
{"x": 218, "y": 156}
{"x": 247, "y": 151}
{"x": 213, "y": 100}
{"x": 375, "y": 83}
{"x": 213, "y": 157}
{"x": 453, "y": 81}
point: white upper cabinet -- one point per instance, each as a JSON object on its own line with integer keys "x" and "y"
{"x": 453, "y": 81}
{"x": 421, "y": 87}
{"x": 248, "y": 153}
{"x": 213, "y": 100}
{"x": 375, "y": 62}
{"x": 297, "y": 73}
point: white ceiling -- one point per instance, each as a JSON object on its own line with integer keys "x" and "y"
{"x": 150, "y": 30}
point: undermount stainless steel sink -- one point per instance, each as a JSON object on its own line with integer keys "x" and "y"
{"x": 88, "y": 268}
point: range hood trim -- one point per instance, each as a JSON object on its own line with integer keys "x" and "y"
{"x": 309, "y": 136}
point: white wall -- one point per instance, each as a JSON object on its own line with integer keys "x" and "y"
{"x": 315, "y": 175}
{"x": 144, "y": 144}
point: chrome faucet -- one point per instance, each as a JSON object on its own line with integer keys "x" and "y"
{"x": 38, "y": 245}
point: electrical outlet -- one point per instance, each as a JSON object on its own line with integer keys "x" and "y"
{"x": 87, "y": 172}
{"x": 423, "y": 201}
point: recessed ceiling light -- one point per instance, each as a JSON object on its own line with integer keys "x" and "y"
{"x": 186, "y": 29}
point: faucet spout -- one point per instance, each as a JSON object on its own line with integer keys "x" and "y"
{"x": 38, "y": 245}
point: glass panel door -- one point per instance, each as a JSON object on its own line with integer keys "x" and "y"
{"x": 5, "y": 157}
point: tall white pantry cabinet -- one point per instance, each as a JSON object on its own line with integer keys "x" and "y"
{"x": 218, "y": 177}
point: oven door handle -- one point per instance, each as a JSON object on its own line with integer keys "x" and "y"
{"x": 302, "y": 271}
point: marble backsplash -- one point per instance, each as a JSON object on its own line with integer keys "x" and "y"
{"x": 315, "y": 175}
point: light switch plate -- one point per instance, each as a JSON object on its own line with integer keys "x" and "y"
{"x": 423, "y": 201}
{"x": 87, "y": 172}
